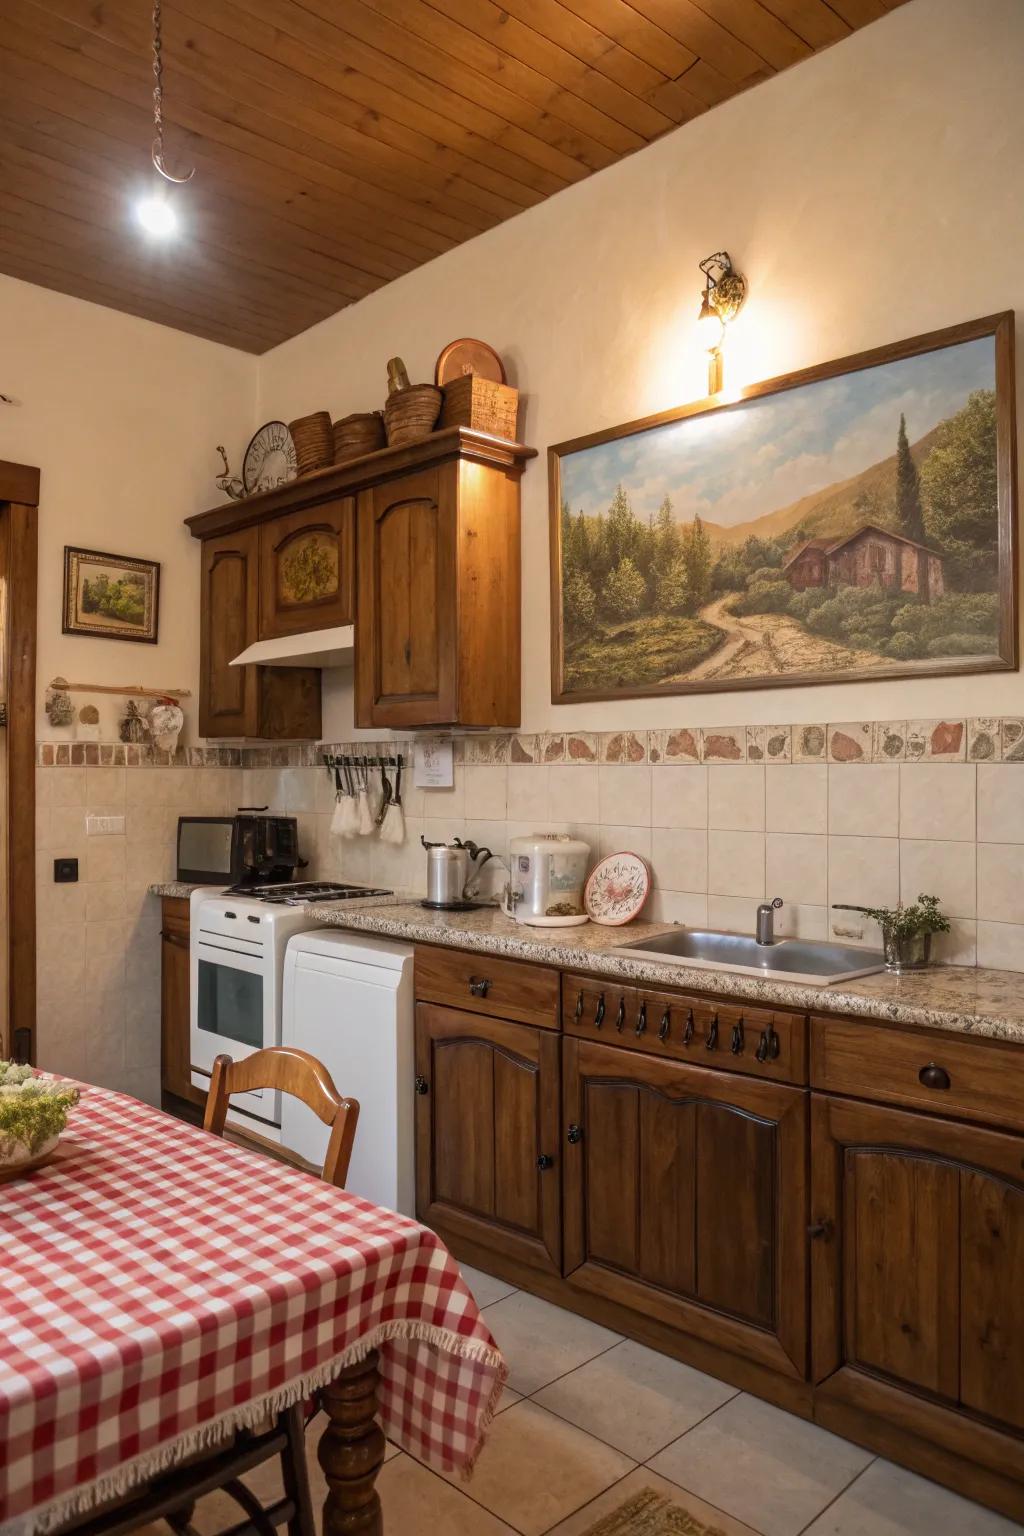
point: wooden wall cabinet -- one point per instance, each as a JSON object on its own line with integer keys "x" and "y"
{"x": 175, "y": 1020}
{"x": 418, "y": 546}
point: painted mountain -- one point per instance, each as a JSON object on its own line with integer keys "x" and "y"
{"x": 842, "y": 528}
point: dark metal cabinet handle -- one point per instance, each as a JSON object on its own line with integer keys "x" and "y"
{"x": 620, "y": 1017}
{"x": 933, "y": 1076}
{"x": 688, "y": 1028}
{"x": 578, "y": 1011}
{"x": 711, "y": 1043}
{"x": 665, "y": 1025}
{"x": 762, "y": 1047}
{"x": 422, "y": 1085}
{"x": 574, "y": 1134}
{"x": 599, "y": 1015}
{"x": 174, "y": 938}
{"x": 820, "y": 1229}
{"x": 479, "y": 986}
{"x": 737, "y": 1042}
{"x": 641, "y": 1019}
{"x": 545, "y": 1161}
{"x": 773, "y": 1044}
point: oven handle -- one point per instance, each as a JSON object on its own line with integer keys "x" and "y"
{"x": 231, "y": 959}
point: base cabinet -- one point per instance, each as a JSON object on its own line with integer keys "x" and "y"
{"x": 175, "y": 1019}
{"x": 685, "y": 1198}
{"x": 919, "y": 1274}
{"x": 487, "y": 1133}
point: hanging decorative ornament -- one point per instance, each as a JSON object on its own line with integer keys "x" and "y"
{"x": 133, "y": 727}
{"x": 155, "y": 212}
{"x": 165, "y": 721}
{"x": 59, "y": 708}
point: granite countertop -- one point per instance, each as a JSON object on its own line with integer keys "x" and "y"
{"x": 180, "y": 888}
{"x": 964, "y": 999}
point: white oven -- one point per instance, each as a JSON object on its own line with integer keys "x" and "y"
{"x": 237, "y": 963}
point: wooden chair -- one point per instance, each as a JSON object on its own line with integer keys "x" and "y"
{"x": 289, "y": 1071}
{"x": 172, "y": 1496}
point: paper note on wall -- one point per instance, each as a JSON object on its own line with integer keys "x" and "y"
{"x": 434, "y": 764}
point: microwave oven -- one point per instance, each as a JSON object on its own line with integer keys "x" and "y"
{"x": 245, "y": 849}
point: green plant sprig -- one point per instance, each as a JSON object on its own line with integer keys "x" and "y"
{"x": 32, "y": 1110}
{"x": 902, "y": 922}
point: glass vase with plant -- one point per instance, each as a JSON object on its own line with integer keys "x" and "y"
{"x": 906, "y": 930}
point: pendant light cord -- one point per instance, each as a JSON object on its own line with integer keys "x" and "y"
{"x": 158, "y": 101}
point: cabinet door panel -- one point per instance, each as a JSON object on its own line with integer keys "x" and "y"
{"x": 992, "y": 1288}
{"x": 736, "y": 1181}
{"x": 228, "y": 624}
{"x": 406, "y": 662}
{"x": 307, "y": 569}
{"x": 902, "y": 1281}
{"x": 685, "y": 1198}
{"x": 487, "y": 1111}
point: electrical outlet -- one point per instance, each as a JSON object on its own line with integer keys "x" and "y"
{"x": 103, "y": 826}
{"x": 65, "y": 871}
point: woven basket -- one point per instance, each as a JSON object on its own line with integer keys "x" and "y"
{"x": 482, "y": 404}
{"x": 314, "y": 442}
{"x": 358, "y": 434}
{"x": 411, "y": 413}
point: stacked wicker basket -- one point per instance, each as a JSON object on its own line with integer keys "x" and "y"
{"x": 314, "y": 442}
{"x": 356, "y": 435}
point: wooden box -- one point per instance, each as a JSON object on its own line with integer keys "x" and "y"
{"x": 481, "y": 404}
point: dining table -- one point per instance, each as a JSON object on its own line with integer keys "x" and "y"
{"x": 162, "y": 1288}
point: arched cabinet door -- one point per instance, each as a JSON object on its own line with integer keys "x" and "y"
{"x": 685, "y": 1198}
{"x": 307, "y": 569}
{"x": 408, "y": 606}
{"x": 229, "y": 696}
{"x": 487, "y": 1153}
{"x": 918, "y": 1276}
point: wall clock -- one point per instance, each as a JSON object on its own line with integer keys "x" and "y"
{"x": 269, "y": 459}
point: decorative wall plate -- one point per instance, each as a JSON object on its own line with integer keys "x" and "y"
{"x": 468, "y": 356}
{"x": 269, "y": 459}
{"x": 616, "y": 889}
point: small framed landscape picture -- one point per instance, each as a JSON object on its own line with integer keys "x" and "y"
{"x": 112, "y": 596}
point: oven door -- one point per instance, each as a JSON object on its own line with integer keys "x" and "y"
{"x": 233, "y": 1014}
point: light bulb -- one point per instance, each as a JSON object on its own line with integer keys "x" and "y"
{"x": 709, "y": 327}
{"x": 156, "y": 215}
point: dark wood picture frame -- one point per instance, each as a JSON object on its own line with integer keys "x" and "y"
{"x": 70, "y": 625}
{"x": 1001, "y": 328}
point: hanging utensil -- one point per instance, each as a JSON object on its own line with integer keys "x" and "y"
{"x": 393, "y": 825}
{"x": 385, "y": 784}
{"x": 350, "y": 809}
{"x": 366, "y": 822}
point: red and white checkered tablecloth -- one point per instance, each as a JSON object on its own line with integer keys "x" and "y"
{"x": 162, "y": 1286}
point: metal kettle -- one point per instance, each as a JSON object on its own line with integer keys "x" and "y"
{"x": 453, "y": 871}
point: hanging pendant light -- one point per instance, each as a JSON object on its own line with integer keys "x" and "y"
{"x": 155, "y": 211}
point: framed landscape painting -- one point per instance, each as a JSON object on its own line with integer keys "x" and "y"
{"x": 114, "y": 597}
{"x": 852, "y": 521}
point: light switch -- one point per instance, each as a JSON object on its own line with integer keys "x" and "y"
{"x": 103, "y": 826}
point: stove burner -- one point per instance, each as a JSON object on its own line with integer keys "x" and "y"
{"x": 299, "y": 892}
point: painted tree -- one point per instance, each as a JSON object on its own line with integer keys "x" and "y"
{"x": 621, "y": 528}
{"x": 579, "y": 605}
{"x": 909, "y": 512}
{"x": 625, "y": 590}
{"x": 697, "y": 556}
{"x": 672, "y": 593}
{"x": 960, "y": 482}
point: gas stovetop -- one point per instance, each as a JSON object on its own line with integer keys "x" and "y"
{"x": 299, "y": 892}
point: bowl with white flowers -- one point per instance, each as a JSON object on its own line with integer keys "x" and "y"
{"x": 33, "y": 1114}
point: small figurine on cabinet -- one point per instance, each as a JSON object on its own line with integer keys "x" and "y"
{"x": 133, "y": 727}
{"x": 230, "y": 484}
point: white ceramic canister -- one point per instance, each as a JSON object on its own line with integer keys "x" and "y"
{"x": 548, "y": 872}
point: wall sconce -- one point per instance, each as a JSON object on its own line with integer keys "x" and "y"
{"x": 724, "y": 293}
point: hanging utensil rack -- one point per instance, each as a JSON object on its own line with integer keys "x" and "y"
{"x": 128, "y": 690}
{"x": 332, "y": 760}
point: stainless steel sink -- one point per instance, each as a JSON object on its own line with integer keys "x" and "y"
{"x": 785, "y": 960}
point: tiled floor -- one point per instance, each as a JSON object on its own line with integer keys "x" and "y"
{"x": 591, "y": 1418}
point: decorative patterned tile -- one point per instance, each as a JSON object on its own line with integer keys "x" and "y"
{"x": 984, "y": 742}
{"x": 937, "y": 740}
{"x": 778, "y": 744}
{"x": 682, "y": 746}
{"x": 724, "y": 744}
{"x": 524, "y": 749}
{"x": 1012, "y": 738}
{"x": 552, "y": 749}
{"x": 889, "y": 741}
{"x": 850, "y": 743}
{"x": 809, "y": 743}
{"x": 482, "y": 750}
{"x": 623, "y": 746}
{"x": 581, "y": 747}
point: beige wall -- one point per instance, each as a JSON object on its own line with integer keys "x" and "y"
{"x": 122, "y": 417}
{"x": 870, "y": 193}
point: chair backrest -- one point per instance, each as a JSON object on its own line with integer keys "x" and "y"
{"x": 289, "y": 1071}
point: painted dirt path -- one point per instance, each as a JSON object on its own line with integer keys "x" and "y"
{"x": 758, "y": 644}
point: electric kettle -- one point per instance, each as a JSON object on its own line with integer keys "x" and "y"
{"x": 453, "y": 872}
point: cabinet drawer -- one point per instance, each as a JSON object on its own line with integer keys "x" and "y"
{"x": 728, "y": 1036}
{"x": 175, "y": 916}
{"x": 941, "y": 1073}
{"x": 507, "y": 989}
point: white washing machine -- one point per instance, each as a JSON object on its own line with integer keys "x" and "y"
{"x": 348, "y": 1001}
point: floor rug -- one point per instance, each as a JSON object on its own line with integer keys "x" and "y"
{"x": 650, "y": 1514}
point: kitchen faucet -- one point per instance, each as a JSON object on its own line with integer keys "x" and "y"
{"x": 765, "y": 931}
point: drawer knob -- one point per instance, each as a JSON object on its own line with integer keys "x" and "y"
{"x": 737, "y": 1042}
{"x": 933, "y": 1076}
{"x": 665, "y": 1025}
{"x": 574, "y": 1134}
{"x": 578, "y": 1011}
{"x": 599, "y": 1015}
{"x": 421, "y": 1085}
{"x": 688, "y": 1027}
{"x": 479, "y": 986}
{"x": 762, "y": 1047}
{"x": 545, "y": 1161}
{"x": 820, "y": 1230}
{"x": 620, "y": 1017}
{"x": 711, "y": 1043}
{"x": 641, "y": 1019}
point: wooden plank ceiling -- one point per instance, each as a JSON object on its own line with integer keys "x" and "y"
{"x": 340, "y": 143}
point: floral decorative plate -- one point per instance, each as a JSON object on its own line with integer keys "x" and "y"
{"x": 617, "y": 888}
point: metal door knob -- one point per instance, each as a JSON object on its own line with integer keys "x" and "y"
{"x": 933, "y": 1076}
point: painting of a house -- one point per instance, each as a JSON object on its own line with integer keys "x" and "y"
{"x": 870, "y": 555}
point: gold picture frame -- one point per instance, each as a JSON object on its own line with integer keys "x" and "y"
{"x": 111, "y": 597}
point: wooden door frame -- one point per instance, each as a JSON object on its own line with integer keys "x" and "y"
{"x": 19, "y": 494}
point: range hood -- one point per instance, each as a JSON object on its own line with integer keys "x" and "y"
{"x": 314, "y": 648}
